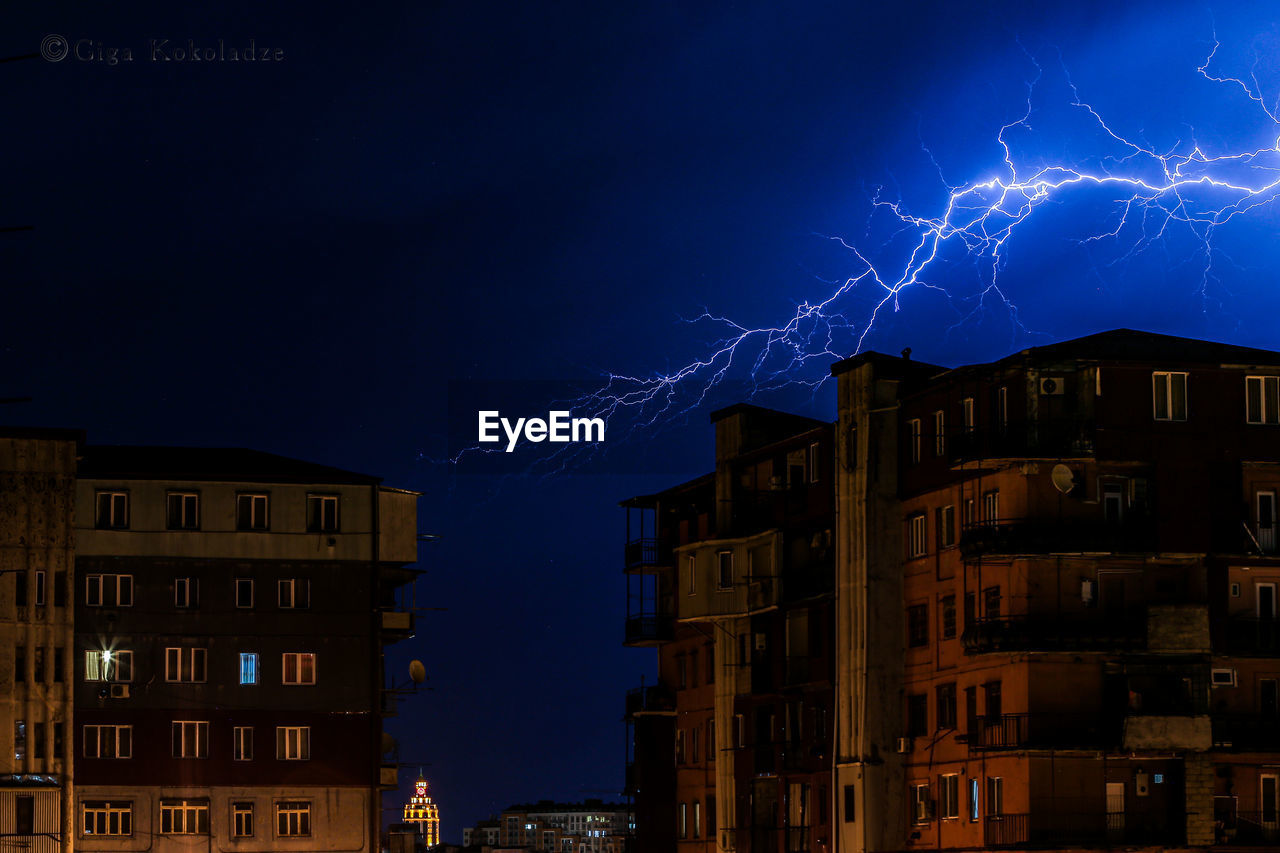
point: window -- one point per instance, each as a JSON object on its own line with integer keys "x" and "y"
{"x": 106, "y": 818}
{"x": 59, "y": 589}
{"x": 39, "y": 665}
{"x": 966, "y": 414}
{"x": 917, "y": 715}
{"x": 293, "y": 743}
{"x": 108, "y": 665}
{"x": 25, "y": 815}
{"x": 949, "y": 796}
{"x": 921, "y": 805}
{"x": 57, "y": 740}
{"x": 184, "y": 817}
{"x": 190, "y": 739}
{"x": 57, "y": 665}
{"x": 294, "y": 593}
{"x": 991, "y": 506}
{"x": 683, "y": 822}
{"x": 251, "y": 512}
{"x": 248, "y": 667}
{"x": 182, "y": 511}
{"x": 695, "y": 753}
{"x": 850, "y": 804}
{"x": 242, "y": 743}
{"x": 974, "y": 812}
{"x": 293, "y": 818}
{"x": 918, "y": 625}
{"x": 1169, "y": 396}
{"x": 186, "y": 592}
{"x": 691, "y": 571}
{"x": 680, "y": 740}
{"x": 946, "y": 708}
{"x": 1262, "y": 399}
{"x": 993, "y": 700}
{"x": 970, "y": 512}
{"x": 913, "y": 440}
{"x": 697, "y": 819}
{"x": 947, "y": 526}
{"x": 991, "y": 602}
{"x": 19, "y": 663}
{"x": 811, "y": 461}
{"x": 1002, "y": 409}
{"x": 1222, "y": 677}
{"x": 948, "y": 606}
{"x": 299, "y": 668}
{"x": 939, "y": 433}
{"x": 108, "y": 590}
{"x": 916, "y": 531}
{"x": 244, "y": 592}
{"x": 725, "y": 563}
{"x": 40, "y": 587}
{"x": 113, "y": 510}
{"x": 1113, "y": 502}
{"x": 242, "y": 820}
{"x": 322, "y": 513}
{"x": 19, "y": 740}
{"x": 185, "y": 664}
{"x": 995, "y": 795}
{"x": 109, "y": 741}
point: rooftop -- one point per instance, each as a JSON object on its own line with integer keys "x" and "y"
{"x": 235, "y": 464}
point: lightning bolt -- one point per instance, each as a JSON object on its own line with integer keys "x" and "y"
{"x": 1151, "y": 193}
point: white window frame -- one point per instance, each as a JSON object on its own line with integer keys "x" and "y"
{"x": 1162, "y": 393}
{"x": 178, "y": 737}
{"x": 181, "y": 668}
{"x": 991, "y": 506}
{"x": 259, "y": 515}
{"x": 114, "y": 515}
{"x": 108, "y": 817}
{"x": 1222, "y": 677}
{"x": 183, "y": 817}
{"x": 917, "y": 535}
{"x": 297, "y": 589}
{"x": 250, "y": 658}
{"x": 293, "y": 743}
{"x": 96, "y": 737}
{"x": 321, "y": 502}
{"x": 995, "y": 796}
{"x": 97, "y": 585}
{"x": 813, "y": 454}
{"x": 187, "y": 516}
{"x": 186, "y": 592}
{"x": 967, "y": 414}
{"x": 242, "y": 743}
{"x": 296, "y": 659}
{"x": 242, "y": 819}
{"x": 949, "y": 796}
{"x": 1268, "y": 390}
{"x": 947, "y": 526}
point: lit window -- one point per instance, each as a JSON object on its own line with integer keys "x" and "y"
{"x": 248, "y": 668}
{"x": 293, "y": 743}
{"x": 185, "y": 664}
{"x": 251, "y": 512}
{"x": 182, "y": 510}
{"x": 294, "y": 593}
{"x": 244, "y": 592}
{"x": 242, "y": 820}
{"x": 184, "y": 817}
{"x": 108, "y": 665}
{"x": 113, "y": 510}
{"x": 190, "y": 739}
{"x": 242, "y": 743}
{"x": 293, "y": 818}
{"x": 108, "y": 741}
{"x": 186, "y": 592}
{"x": 322, "y": 513}
{"x": 974, "y": 812}
{"x": 107, "y": 818}
{"x": 299, "y": 668}
{"x": 1169, "y": 396}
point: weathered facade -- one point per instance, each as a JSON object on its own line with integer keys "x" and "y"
{"x": 231, "y": 609}
{"x": 37, "y": 547}
{"x": 1054, "y": 614}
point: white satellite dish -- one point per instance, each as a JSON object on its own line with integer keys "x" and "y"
{"x": 417, "y": 671}
{"x": 1064, "y": 480}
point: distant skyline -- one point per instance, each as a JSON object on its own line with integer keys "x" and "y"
{"x": 299, "y": 255}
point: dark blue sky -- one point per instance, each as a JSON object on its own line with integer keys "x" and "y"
{"x": 299, "y": 256}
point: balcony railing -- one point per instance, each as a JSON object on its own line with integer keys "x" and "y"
{"x": 1058, "y": 828}
{"x": 1054, "y": 536}
{"x": 1249, "y": 635}
{"x": 646, "y": 553}
{"x": 1055, "y": 633}
{"x": 1250, "y": 829}
{"x": 648, "y": 629}
{"x": 1247, "y": 732}
{"x": 1046, "y": 439}
{"x": 1043, "y": 731}
{"x": 651, "y": 699}
{"x": 1007, "y": 830}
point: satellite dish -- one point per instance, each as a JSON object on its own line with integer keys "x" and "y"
{"x": 417, "y": 671}
{"x": 1064, "y": 480}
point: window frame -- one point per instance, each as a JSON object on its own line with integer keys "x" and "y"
{"x": 186, "y": 665}
{"x": 185, "y": 809}
{"x": 118, "y": 734}
{"x": 252, "y": 659}
{"x": 299, "y": 591}
{"x": 117, "y": 503}
{"x": 250, "y": 523}
{"x": 242, "y": 743}
{"x": 948, "y": 796}
{"x": 913, "y": 441}
{"x": 1267, "y": 414}
{"x": 301, "y": 747}
{"x": 122, "y": 810}
{"x": 723, "y": 564}
{"x": 1165, "y": 395}
{"x": 299, "y": 668}
{"x": 178, "y": 738}
{"x": 940, "y": 433}
{"x": 243, "y": 583}
{"x": 182, "y": 519}
{"x": 319, "y": 524}
{"x": 917, "y": 535}
{"x": 242, "y": 809}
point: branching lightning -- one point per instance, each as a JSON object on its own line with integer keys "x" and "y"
{"x": 1150, "y": 193}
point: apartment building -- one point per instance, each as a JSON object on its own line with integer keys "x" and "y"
{"x": 37, "y": 547}
{"x": 1053, "y": 608}
{"x": 231, "y": 608}
{"x": 592, "y": 826}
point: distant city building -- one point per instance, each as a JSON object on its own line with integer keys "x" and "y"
{"x": 592, "y": 826}
{"x": 424, "y": 815}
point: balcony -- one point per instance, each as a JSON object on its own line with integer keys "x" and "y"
{"x": 1085, "y": 828}
{"x": 1251, "y": 636}
{"x": 1042, "y": 731}
{"x": 1052, "y": 536}
{"x": 396, "y": 624}
{"x": 1047, "y": 439}
{"x": 1247, "y": 732}
{"x": 1055, "y": 633}
{"x": 650, "y": 699}
{"x": 648, "y": 630}
{"x": 646, "y": 555}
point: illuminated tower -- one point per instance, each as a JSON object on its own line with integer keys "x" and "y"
{"x": 421, "y": 811}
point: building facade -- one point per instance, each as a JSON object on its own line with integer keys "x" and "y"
{"x": 423, "y": 814}
{"x": 1053, "y": 617}
{"x": 592, "y": 826}
{"x": 231, "y": 608}
{"x": 37, "y": 548}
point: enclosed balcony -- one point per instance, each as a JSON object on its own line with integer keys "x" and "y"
{"x": 1050, "y": 730}
{"x": 1067, "y": 438}
{"x": 1084, "y": 827}
{"x": 646, "y": 555}
{"x": 1008, "y": 536}
{"x": 650, "y": 699}
{"x": 648, "y": 629}
{"x": 1056, "y": 632}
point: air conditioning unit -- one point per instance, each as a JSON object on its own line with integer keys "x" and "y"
{"x": 904, "y": 745}
{"x": 1051, "y": 386}
{"x": 119, "y": 691}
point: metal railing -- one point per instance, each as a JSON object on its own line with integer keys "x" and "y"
{"x": 1054, "y": 828}
{"x": 646, "y": 552}
{"x": 1250, "y": 829}
{"x": 649, "y": 628}
{"x": 1006, "y": 830}
{"x": 652, "y": 698}
{"x": 1056, "y": 633}
{"x": 1043, "y": 731}
{"x": 1055, "y": 439}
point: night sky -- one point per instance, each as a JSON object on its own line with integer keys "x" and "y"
{"x": 302, "y": 255}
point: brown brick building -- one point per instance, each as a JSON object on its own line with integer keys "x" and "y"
{"x": 1046, "y": 617}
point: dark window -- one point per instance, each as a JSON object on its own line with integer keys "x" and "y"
{"x": 183, "y": 511}
{"x": 59, "y": 589}
{"x": 992, "y": 690}
{"x": 917, "y": 715}
{"x": 711, "y": 664}
{"x": 113, "y": 510}
{"x": 57, "y": 740}
{"x": 682, "y": 672}
{"x": 20, "y": 594}
{"x": 948, "y": 617}
{"x": 693, "y": 668}
{"x": 991, "y": 602}
{"x": 38, "y": 747}
{"x": 57, "y": 664}
{"x": 38, "y": 674}
{"x": 850, "y": 804}
{"x": 711, "y": 816}
{"x": 244, "y": 592}
{"x": 25, "y": 815}
{"x": 918, "y": 625}
{"x": 946, "y": 706}
{"x": 322, "y": 513}
{"x": 251, "y": 512}
{"x": 19, "y": 663}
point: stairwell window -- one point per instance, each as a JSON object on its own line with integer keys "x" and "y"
{"x": 1262, "y": 399}
{"x": 1169, "y": 396}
